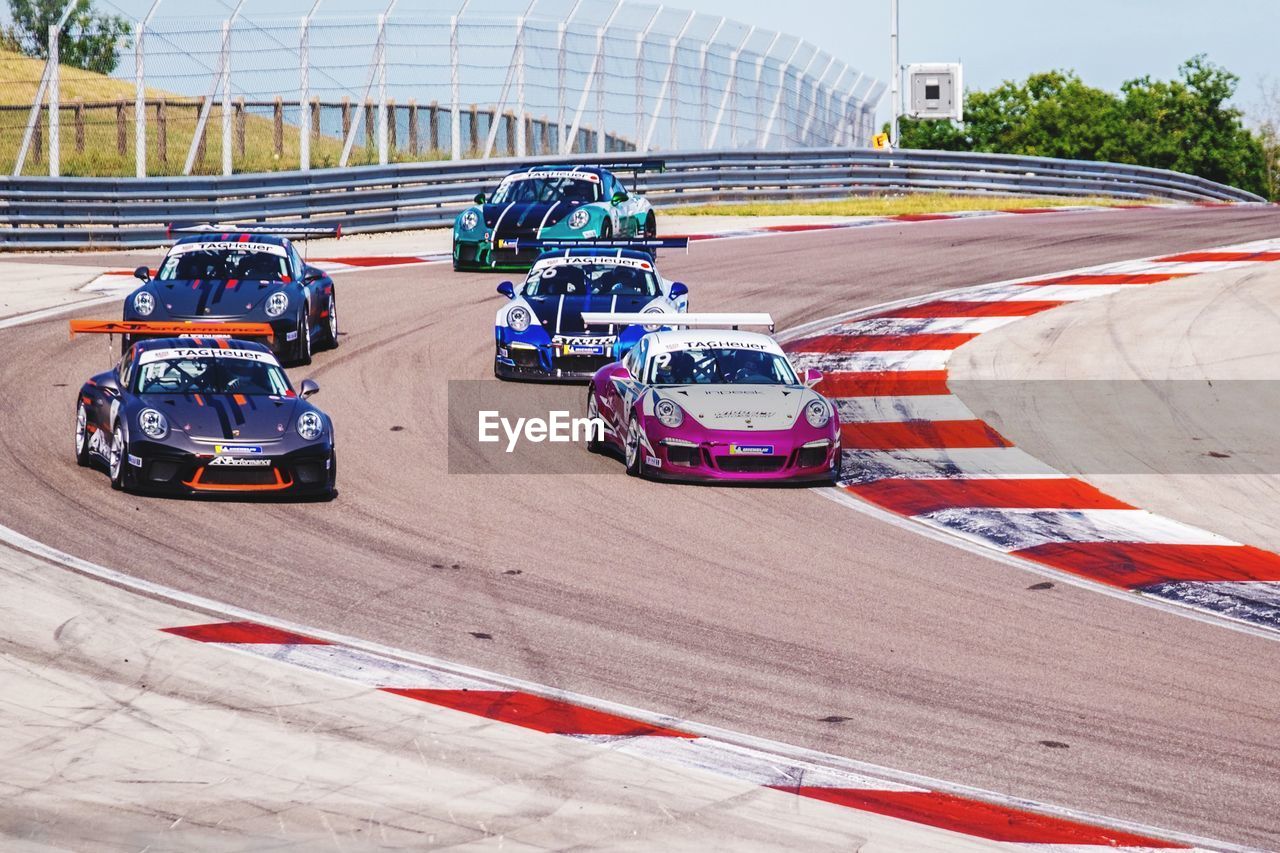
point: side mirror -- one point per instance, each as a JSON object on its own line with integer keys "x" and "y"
{"x": 309, "y": 387}
{"x": 142, "y": 274}
{"x": 812, "y": 376}
{"x": 679, "y": 288}
{"x": 311, "y": 274}
{"x": 619, "y": 197}
{"x": 479, "y": 199}
{"x": 507, "y": 289}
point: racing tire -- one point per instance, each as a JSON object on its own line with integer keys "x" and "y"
{"x": 83, "y": 458}
{"x": 594, "y": 445}
{"x": 650, "y": 227}
{"x": 633, "y": 453}
{"x": 606, "y": 230}
{"x": 118, "y": 458}
{"x": 333, "y": 475}
{"x": 837, "y": 466}
{"x": 302, "y": 349}
{"x": 329, "y": 334}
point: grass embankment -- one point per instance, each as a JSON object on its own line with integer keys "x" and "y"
{"x": 894, "y": 205}
{"x": 99, "y": 151}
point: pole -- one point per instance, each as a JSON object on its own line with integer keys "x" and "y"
{"x": 705, "y": 102}
{"x": 226, "y": 97}
{"x": 304, "y": 89}
{"x": 382, "y": 90}
{"x": 55, "y": 144}
{"x": 641, "y": 38}
{"x": 561, "y": 66}
{"x": 895, "y": 72}
{"x": 140, "y": 96}
{"x": 455, "y": 109}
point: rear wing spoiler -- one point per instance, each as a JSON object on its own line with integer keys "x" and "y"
{"x": 159, "y": 329}
{"x": 298, "y": 230}
{"x": 673, "y": 320}
{"x": 632, "y": 166}
{"x": 620, "y": 243}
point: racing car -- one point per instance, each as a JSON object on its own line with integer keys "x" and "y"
{"x": 244, "y": 276}
{"x": 539, "y": 333}
{"x": 203, "y": 415}
{"x": 546, "y": 203}
{"x": 711, "y": 402}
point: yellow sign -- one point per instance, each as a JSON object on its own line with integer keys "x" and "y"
{"x": 881, "y": 140}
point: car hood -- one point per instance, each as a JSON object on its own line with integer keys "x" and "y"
{"x": 739, "y": 407}
{"x": 228, "y": 416}
{"x": 211, "y": 297}
{"x": 562, "y": 315}
{"x": 524, "y": 219}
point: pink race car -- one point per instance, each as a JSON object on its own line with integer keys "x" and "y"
{"x": 707, "y": 403}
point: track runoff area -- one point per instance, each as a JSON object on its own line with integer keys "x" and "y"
{"x": 914, "y": 451}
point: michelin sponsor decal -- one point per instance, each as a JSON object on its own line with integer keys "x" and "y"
{"x": 236, "y": 449}
{"x": 750, "y": 449}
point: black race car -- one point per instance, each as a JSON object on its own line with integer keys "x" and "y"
{"x": 240, "y": 276}
{"x": 201, "y": 415}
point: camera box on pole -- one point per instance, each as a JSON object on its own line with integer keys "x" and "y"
{"x": 935, "y": 90}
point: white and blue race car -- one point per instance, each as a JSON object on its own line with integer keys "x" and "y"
{"x": 540, "y": 334}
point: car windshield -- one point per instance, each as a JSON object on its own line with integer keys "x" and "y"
{"x": 186, "y": 374}
{"x": 720, "y": 366}
{"x": 545, "y": 190}
{"x": 596, "y": 280}
{"x": 222, "y": 264}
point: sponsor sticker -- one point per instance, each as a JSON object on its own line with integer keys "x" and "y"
{"x": 236, "y": 449}
{"x": 227, "y": 246}
{"x": 239, "y": 462}
{"x": 205, "y": 352}
{"x": 652, "y": 460}
{"x": 576, "y": 349}
{"x": 135, "y": 461}
{"x": 750, "y": 449}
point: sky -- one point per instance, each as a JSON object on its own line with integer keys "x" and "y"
{"x": 1105, "y": 41}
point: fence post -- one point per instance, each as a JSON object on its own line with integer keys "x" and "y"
{"x": 201, "y": 143}
{"x": 304, "y": 83}
{"x": 641, "y": 38}
{"x": 382, "y": 90}
{"x": 561, "y": 69}
{"x": 455, "y": 128}
{"x": 162, "y": 134}
{"x": 546, "y": 136}
{"x": 37, "y": 148}
{"x": 521, "y": 149}
{"x": 370, "y": 126}
{"x": 413, "y": 127}
{"x": 433, "y": 125}
{"x": 729, "y": 90}
{"x": 227, "y": 96}
{"x": 55, "y": 108}
{"x": 238, "y": 112}
{"x": 277, "y": 127}
{"x": 346, "y": 116}
{"x": 391, "y": 128}
{"x": 79, "y": 122}
{"x": 473, "y": 128}
{"x": 315, "y": 117}
{"x": 122, "y": 124}
{"x": 704, "y": 101}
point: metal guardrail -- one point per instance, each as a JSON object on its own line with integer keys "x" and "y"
{"x": 82, "y": 213}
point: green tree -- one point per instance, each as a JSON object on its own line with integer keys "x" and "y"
{"x": 88, "y": 40}
{"x": 1184, "y": 124}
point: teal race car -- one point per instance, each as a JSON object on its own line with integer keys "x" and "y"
{"x": 549, "y": 203}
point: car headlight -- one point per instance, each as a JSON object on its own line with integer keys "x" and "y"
{"x": 277, "y": 303}
{"x": 817, "y": 413}
{"x": 655, "y": 310}
{"x": 470, "y": 220}
{"x": 579, "y": 218}
{"x": 518, "y": 319}
{"x": 668, "y": 413}
{"x": 154, "y": 425}
{"x": 144, "y": 303}
{"x": 310, "y": 425}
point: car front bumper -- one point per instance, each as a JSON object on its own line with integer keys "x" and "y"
{"x": 162, "y": 469}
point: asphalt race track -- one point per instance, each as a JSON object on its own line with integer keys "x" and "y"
{"x": 759, "y": 610}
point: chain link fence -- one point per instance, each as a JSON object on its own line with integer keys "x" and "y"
{"x": 265, "y": 85}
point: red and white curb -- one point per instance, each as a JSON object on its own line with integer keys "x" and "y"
{"x": 1003, "y": 821}
{"x": 914, "y": 449}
